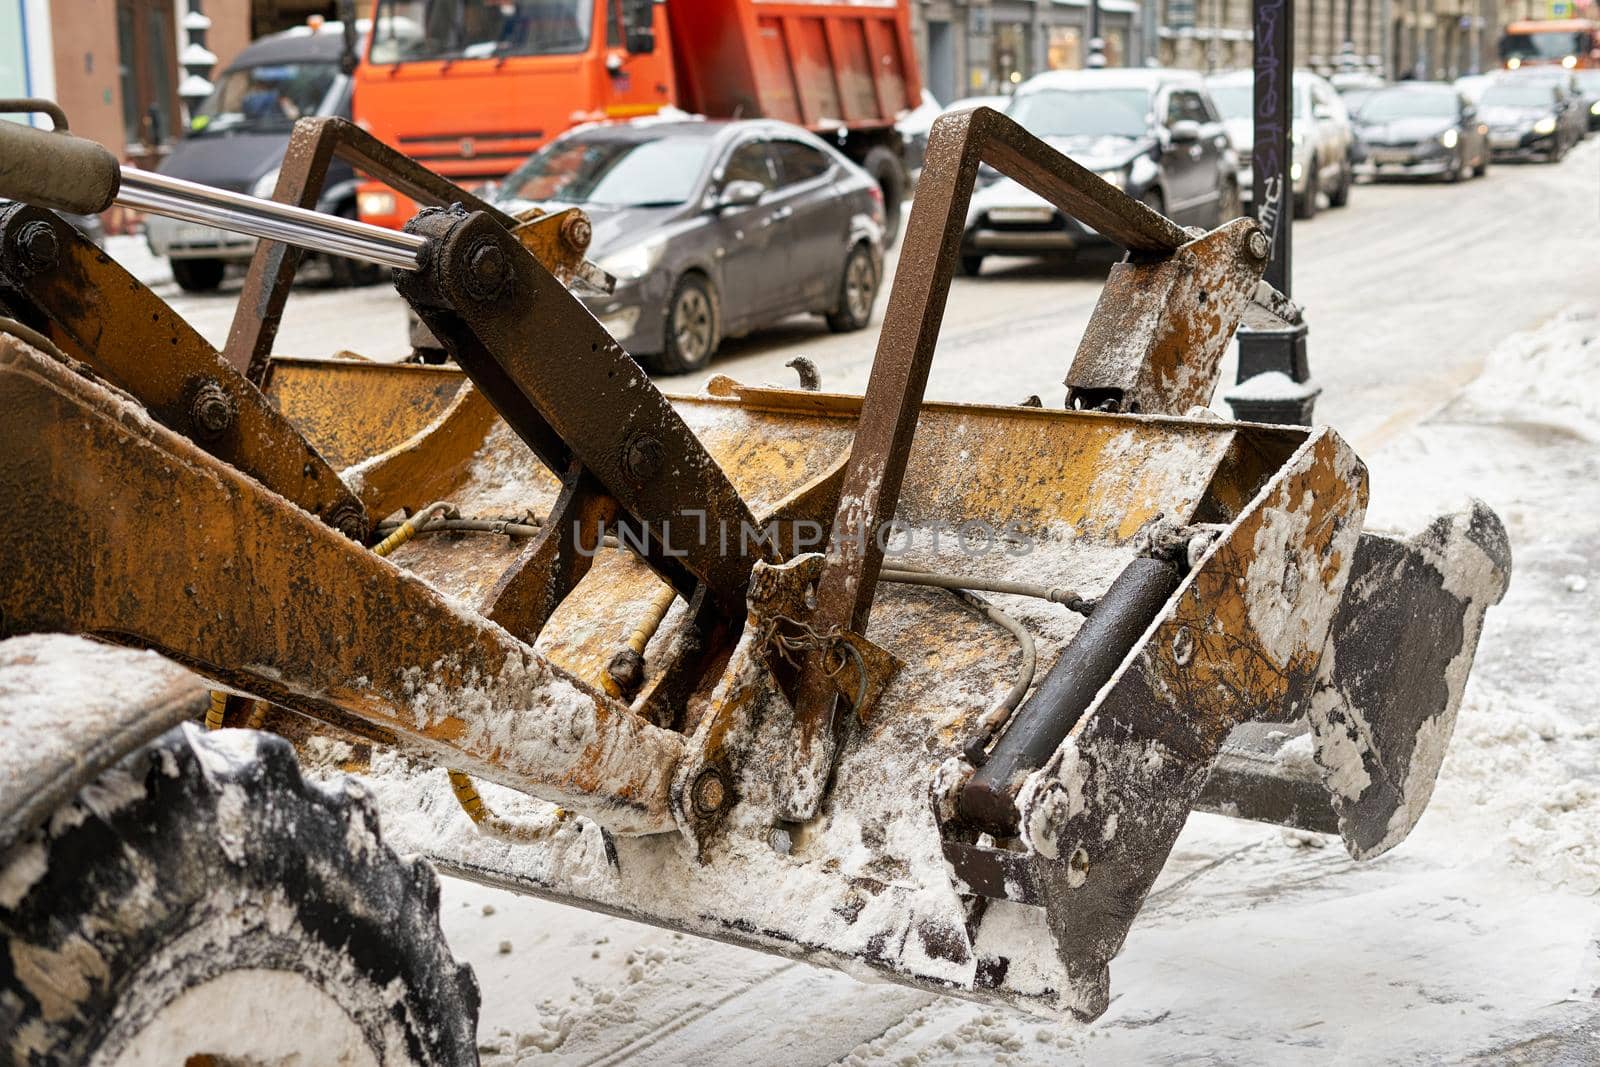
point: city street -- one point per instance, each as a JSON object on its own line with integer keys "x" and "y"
{"x": 1406, "y": 291}
{"x": 1453, "y": 333}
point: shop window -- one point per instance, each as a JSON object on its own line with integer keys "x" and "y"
{"x": 1064, "y": 50}
{"x": 1010, "y": 53}
{"x": 147, "y": 48}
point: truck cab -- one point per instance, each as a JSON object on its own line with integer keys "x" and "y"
{"x": 471, "y": 88}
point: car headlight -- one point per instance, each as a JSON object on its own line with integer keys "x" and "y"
{"x": 1594, "y": 108}
{"x": 265, "y": 185}
{"x": 1449, "y": 138}
{"x": 1295, "y": 170}
{"x": 375, "y": 204}
{"x": 635, "y": 261}
{"x": 1117, "y": 177}
{"x": 1545, "y": 125}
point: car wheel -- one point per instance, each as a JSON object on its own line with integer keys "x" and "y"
{"x": 351, "y": 273}
{"x": 198, "y": 275}
{"x": 691, "y": 328}
{"x": 971, "y": 265}
{"x": 1339, "y": 196}
{"x": 858, "y": 290}
{"x": 1305, "y": 207}
{"x": 886, "y": 169}
{"x": 1230, "y": 206}
{"x": 1483, "y": 164}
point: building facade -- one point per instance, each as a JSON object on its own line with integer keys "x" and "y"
{"x": 976, "y": 47}
{"x": 984, "y": 47}
{"x": 117, "y": 66}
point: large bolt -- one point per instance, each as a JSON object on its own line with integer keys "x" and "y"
{"x": 37, "y": 247}
{"x": 488, "y": 273}
{"x": 575, "y": 230}
{"x": 1258, "y": 245}
{"x": 709, "y": 794}
{"x": 643, "y": 457}
{"x": 212, "y": 410}
{"x": 349, "y": 520}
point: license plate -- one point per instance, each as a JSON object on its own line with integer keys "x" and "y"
{"x": 1505, "y": 140}
{"x": 1392, "y": 156}
{"x": 1021, "y": 214}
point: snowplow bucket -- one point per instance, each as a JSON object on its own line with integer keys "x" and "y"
{"x": 749, "y": 664}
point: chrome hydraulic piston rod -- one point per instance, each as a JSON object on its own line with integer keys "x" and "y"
{"x": 238, "y": 213}
{"x": 54, "y": 169}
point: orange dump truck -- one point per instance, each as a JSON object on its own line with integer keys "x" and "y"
{"x": 472, "y": 87}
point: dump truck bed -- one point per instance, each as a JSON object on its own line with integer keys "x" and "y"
{"x": 817, "y": 65}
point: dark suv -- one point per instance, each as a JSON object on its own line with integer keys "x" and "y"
{"x": 1155, "y": 134}
{"x": 236, "y": 141}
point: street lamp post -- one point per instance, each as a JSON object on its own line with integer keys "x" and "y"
{"x": 1274, "y": 382}
{"x": 1097, "y": 43}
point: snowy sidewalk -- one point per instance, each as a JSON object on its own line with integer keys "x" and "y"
{"x": 1475, "y": 938}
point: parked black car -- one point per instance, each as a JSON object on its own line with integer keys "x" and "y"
{"x": 1589, "y": 84}
{"x": 1529, "y": 118}
{"x": 1421, "y": 130}
{"x": 236, "y": 141}
{"x": 712, "y": 229}
{"x": 1156, "y": 134}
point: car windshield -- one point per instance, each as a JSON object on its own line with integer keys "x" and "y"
{"x": 1550, "y": 44}
{"x": 265, "y": 96}
{"x": 612, "y": 173}
{"x": 1518, "y": 96}
{"x": 1082, "y": 112}
{"x": 1409, "y": 104}
{"x": 409, "y": 31}
{"x": 1238, "y": 101}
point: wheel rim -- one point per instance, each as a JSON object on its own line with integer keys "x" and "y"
{"x": 691, "y": 324}
{"x": 859, "y": 285}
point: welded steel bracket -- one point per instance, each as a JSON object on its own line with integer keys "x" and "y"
{"x": 1167, "y": 306}
{"x": 53, "y": 279}
{"x": 313, "y": 145}
{"x": 572, "y": 394}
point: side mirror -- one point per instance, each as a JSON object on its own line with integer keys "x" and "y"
{"x": 741, "y": 193}
{"x": 639, "y": 18}
{"x": 1184, "y": 131}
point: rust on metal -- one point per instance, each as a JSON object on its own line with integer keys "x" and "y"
{"x": 230, "y": 595}
{"x": 313, "y": 144}
{"x": 570, "y": 392}
{"x": 352, "y": 409}
{"x": 957, "y": 145}
{"x": 98, "y": 313}
{"x": 1161, "y": 327}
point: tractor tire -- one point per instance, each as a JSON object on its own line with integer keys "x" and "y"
{"x": 692, "y": 329}
{"x": 1305, "y": 207}
{"x": 1339, "y": 196}
{"x": 198, "y": 275}
{"x": 890, "y": 174}
{"x": 858, "y": 291}
{"x": 202, "y": 902}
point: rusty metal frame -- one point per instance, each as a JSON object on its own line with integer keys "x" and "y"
{"x": 254, "y": 593}
{"x": 957, "y": 146}
{"x": 98, "y": 313}
{"x": 313, "y": 145}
